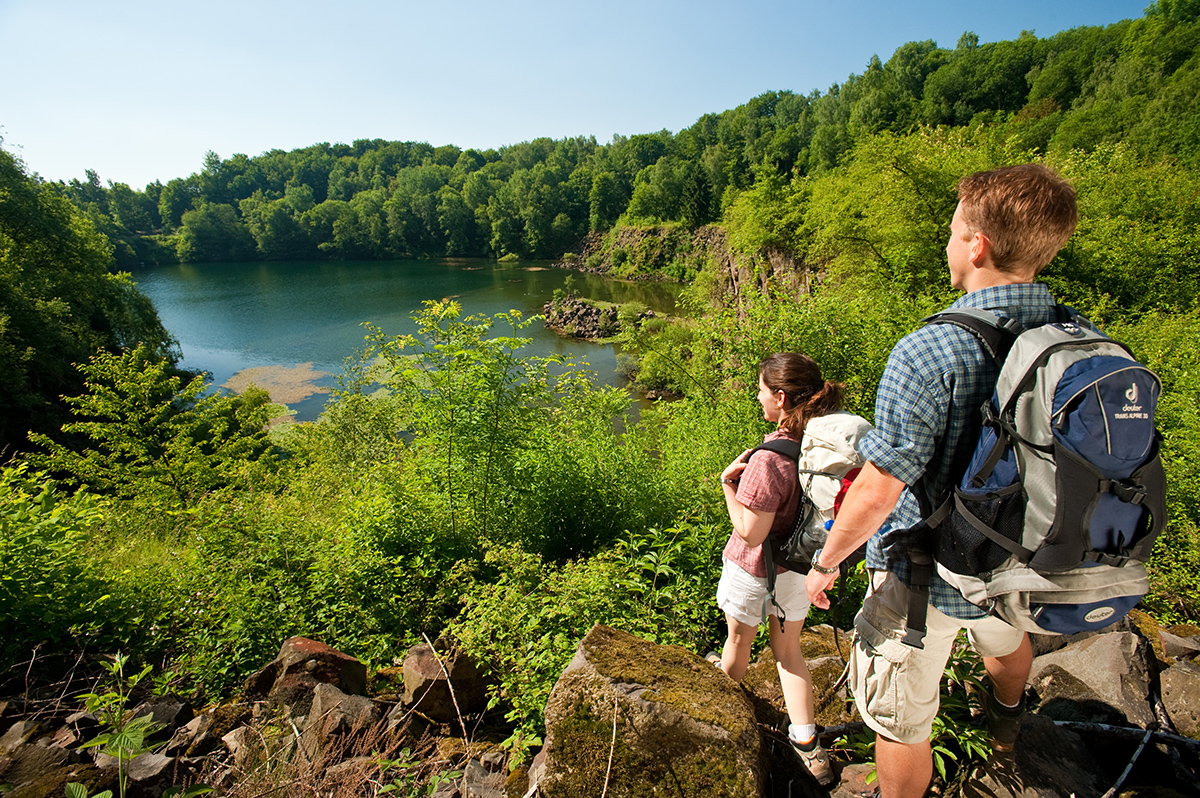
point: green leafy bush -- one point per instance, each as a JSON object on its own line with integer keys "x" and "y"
{"x": 658, "y": 584}
{"x": 46, "y": 590}
{"x": 149, "y": 436}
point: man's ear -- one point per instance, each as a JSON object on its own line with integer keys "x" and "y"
{"x": 981, "y": 249}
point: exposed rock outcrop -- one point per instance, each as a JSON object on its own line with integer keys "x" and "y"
{"x": 302, "y": 664}
{"x": 630, "y": 718}
{"x": 582, "y": 318}
{"x": 442, "y": 685}
{"x": 641, "y": 718}
{"x": 1048, "y": 762}
{"x": 1104, "y": 678}
{"x": 1181, "y": 696}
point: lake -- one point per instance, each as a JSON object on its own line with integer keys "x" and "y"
{"x": 229, "y": 317}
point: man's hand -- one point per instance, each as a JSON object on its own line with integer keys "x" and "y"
{"x": 867, "y": 505}
{"x": 816, "y": 583}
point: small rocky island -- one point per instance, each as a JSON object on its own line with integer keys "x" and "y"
{"x": 575, "y": 317}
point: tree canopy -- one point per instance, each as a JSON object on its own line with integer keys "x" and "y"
{"x": 59, "y": 303}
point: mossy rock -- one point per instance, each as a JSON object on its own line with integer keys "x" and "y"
{"x": 1184, "y": 630}
{"x": 819, "y": 641}
{"x": 222, "y": 720}
{"x": 669, "y": 723}
{"x": 54, "y": 783}
{"x": 1149, "y": 629}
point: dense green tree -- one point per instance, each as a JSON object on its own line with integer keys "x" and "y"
{"x": 658, "y": 192}
{"x": 412, "y": 209}
{"x": 362, "y": 232}
{"x": 177, "y": 197}
{"x": 59, "y": 304}
{"x": 152, "y": 437}
{"x": 606, "y": 200}
{"x": 131, "y": 210}
{"x": 214, "y": 232}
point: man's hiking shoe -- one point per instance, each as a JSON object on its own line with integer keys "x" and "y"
{"x": 1003, "y": 723}
{"x": 817, "y": 762}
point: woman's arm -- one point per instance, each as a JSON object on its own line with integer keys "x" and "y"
{"x": 752, "y": 526}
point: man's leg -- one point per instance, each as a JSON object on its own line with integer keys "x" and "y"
{"x": 896, "y": 688}
{"x": 1010, "y": 673}
{"x": 1004, "y": 704}
{"x": 904, "y": 769}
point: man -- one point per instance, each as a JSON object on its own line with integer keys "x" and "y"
{"x": 1008, "y": 225}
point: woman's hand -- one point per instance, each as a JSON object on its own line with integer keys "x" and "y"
{"x": 734, "y": 470}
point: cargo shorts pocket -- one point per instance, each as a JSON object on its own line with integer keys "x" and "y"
{"x": 877, "y": 672}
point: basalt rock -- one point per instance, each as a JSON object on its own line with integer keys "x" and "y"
{"x": 580, "y": 318}
{"x": 637, "y": 719}
{"x": 1047, "y": 762}
{"x": 1104, "y": 678}
{"x": 302, "y": 664}
{"x": 1181, "y": 696}
{"x": 441, "y": 685}
{"x": 168, "y": 711}
{"x": 1176, "y": 647}
{"x": 335, "y": 714}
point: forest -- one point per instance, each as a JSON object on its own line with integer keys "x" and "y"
{"x": 1132, "y": 82}
{"x": 456, "y": 485}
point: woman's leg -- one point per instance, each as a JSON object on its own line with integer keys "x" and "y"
{"x": 735, "y": 657}
{"x": 794, "y": 677}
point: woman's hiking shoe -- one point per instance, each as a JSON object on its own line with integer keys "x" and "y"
{"x": 816, "y": 761}
{"x": 713, "y": 658}
{"x": 1003, "y": 722}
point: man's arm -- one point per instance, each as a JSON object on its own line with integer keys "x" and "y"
{"x": 868, "y": 503}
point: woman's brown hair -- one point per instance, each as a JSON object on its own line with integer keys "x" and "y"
{"x": 806, "y": 394}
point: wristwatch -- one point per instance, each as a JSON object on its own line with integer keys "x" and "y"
{"x": 821, "y": 569}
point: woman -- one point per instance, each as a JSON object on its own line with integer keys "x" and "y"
{"x": 763, "y": 496}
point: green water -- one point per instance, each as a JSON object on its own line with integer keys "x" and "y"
{"x": 233, "y": 316}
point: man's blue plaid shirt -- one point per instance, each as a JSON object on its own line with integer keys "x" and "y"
{"x": 938, "y": 368}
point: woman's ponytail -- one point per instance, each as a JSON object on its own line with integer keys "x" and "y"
{"x": 807, "y": 394}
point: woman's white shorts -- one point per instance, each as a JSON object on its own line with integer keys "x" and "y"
{"x": 744, "y": 596}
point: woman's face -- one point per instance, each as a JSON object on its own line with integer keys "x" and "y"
{"x": 771, "y": 401}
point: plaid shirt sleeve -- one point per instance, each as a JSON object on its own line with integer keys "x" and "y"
{"x": 910, "y": 411}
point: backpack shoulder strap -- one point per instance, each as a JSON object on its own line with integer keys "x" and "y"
{"x": 996, "y": 333}
{"x": 791, "y": 450}
{"x": 784, "y": 446}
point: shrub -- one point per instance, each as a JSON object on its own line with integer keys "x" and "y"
{"x": 47, "y": 594}
{"x": 657, "y": 584}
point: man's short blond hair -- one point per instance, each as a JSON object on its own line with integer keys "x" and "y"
{"x": 1027, "y": 212}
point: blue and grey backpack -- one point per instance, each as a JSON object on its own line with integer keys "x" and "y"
{"x": 1053, "y": 519}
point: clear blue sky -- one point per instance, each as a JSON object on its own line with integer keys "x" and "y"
{"x": 140, "y": 90}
